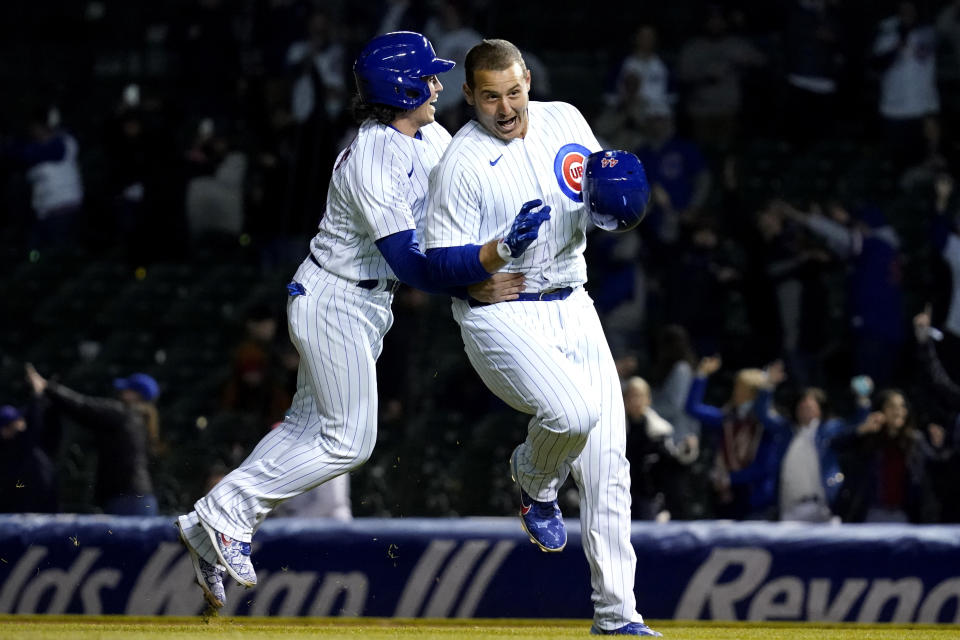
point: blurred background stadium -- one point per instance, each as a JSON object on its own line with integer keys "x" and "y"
{"x": 206, "y": 131}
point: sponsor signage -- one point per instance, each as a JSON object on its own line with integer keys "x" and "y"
{"x": 486, "y": 567}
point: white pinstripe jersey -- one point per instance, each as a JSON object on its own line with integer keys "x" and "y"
{"x": 482, "y": 181}
{"x": 378, "y": 188}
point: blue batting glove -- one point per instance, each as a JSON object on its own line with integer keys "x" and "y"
{"x": 525, "y": 228}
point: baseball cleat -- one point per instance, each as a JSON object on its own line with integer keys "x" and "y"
{"x": 542, "y": 521}
{"x": 632, "y": 629}
{"x": 209, "y": 576}
{"x": 234, "y": 556}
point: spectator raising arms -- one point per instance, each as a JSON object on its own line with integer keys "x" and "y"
{"x": 748, "y": 456}
{"x": 810, "y": 476}
{"x": 127, "y": 433}
{"x": 885, "y": 462}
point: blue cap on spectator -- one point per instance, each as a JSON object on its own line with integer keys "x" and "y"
{"x": 143, "y": 384}
{"x": 8, "y": 414}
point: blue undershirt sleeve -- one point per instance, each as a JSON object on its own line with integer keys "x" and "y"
{"x": 444, "y": 271}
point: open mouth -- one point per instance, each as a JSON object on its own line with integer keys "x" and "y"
{"x": 508, "y": 124}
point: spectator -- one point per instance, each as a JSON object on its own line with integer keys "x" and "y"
{"x": 453, "y": 36}
{"x": 944, "y": 399}
{"x": 701, "y": 263}
{"x": 215, "y": 198}
{"x": 874, "y": 294}
{"x": 810, "y": 476}
{"x": 945, "y": 240}
{"x": 257, "y": 382}
{"x": 318, "y": 107}
{"x": 885, "y": 460}
{"x": 321, "y": 85}
{"x": 127, "y": 433}
{"x": 905, "y": 52}
{"x": 657, "y": 460}
{"x": 710, "y": 69}
{"x": 621, "y": 123}
{"x": 398, "y": 15}
{"x": 671, "y": 377}
{"x": 145, "y": 182}
{"x": 812, "y": 46}
{"x": 616, "y": 264}
{"x": 678, "y": 174}
{"x": 748, "y": 456}
{"x": 204, "y": 37}
{"x": 793, "y": 268}
{"x": 948, "y": 35}
{"x": 642, "y": 81}
{"x": 27, "y": 476}
{"x": 644, "y": 70}
{"x": 49, "y": 160}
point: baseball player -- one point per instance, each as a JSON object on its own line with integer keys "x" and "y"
{"x": 543, "y": 353}
{"x": 339, "y": 305}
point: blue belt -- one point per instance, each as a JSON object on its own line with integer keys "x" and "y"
{"x": 389, "y": 283}
{"x": 550, "y": 294}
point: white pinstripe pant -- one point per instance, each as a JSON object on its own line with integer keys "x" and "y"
{"x": 551, "y": 360}
{"x": 331, "y": 427}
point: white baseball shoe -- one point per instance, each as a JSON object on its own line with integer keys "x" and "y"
{"x": 234, "y": 556}
{"x": 209, "y": 577}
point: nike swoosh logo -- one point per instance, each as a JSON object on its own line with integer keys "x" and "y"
{"x": 410, "y": 173}
{"x": 493, "y": 163}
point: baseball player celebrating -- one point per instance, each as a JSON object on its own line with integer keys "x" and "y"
{"x": 544, "y": 353}
{"x": 339, "y": 307}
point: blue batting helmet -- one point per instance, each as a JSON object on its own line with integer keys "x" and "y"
{"x": 615, "y": 190}
{"x": 391, "y": 69}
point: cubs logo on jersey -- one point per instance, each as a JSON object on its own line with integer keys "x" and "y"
{"x": 568, "y": 167}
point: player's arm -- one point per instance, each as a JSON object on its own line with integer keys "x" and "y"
{"x": 402, "y": 252}
{"x": 448, "y": 267}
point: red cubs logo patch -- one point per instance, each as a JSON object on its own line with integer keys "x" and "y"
{"x": 573, "y": 170}
{"x": 568, "y": 167}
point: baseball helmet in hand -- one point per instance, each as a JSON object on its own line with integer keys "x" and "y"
{"x": 615, "y": 190}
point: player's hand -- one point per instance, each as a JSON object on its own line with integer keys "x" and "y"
{"x": 525, "y": 227}
{"x": 500, "y": 287}
{"x": 37, "y": 382}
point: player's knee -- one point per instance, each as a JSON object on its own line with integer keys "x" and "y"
{"x": 352, "y": 453}
{"x": 358, "y": 455}
{"x": 586, "y": 417}
{"x": 577, "y": 418}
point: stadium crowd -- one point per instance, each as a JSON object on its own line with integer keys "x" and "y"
{"x": 786, "y": 321}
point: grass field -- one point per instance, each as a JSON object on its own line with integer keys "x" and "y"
{"x": 244, "y": 628}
